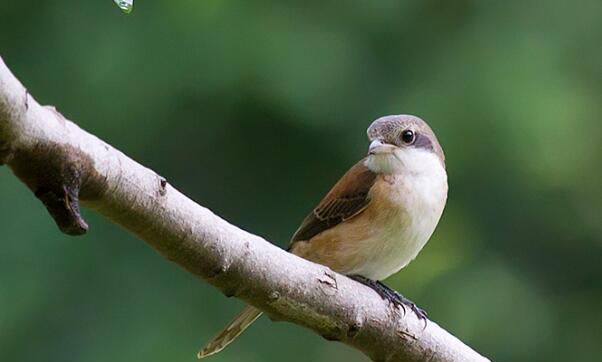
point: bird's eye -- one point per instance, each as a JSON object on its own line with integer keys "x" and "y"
{"x": 408, "y": 136}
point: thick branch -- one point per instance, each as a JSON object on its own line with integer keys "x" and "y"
{"x": 62, "y": 165}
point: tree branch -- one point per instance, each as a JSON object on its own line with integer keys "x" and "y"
{"x": 63, "y": 165}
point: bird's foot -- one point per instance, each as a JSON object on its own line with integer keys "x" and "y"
{"x": 392, "y": 296}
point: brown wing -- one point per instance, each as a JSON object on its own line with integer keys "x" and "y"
{"x": 346, "y": 199}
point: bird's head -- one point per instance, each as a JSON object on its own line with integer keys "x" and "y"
{"x": 403, "y": 143}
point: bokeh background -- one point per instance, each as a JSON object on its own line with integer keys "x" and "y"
{"x": 254, "y": 109}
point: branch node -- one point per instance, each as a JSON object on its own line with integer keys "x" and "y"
{"x": 64, "y": 209}
{"x": 56, "y": 173}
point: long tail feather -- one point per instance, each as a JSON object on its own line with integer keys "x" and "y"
{"x": 230, "y": 332}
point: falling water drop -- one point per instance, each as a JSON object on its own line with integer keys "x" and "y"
{"x": 125, "y": 5}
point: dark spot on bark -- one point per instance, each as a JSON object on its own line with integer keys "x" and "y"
{"x": 353, "y": 330}
{"x": 163, "y": 186}
{"x": 26, "y": 99}
{"x": 230, "y": 292}
{"x": 217, "y": 271}
{"x": 274, "y": 296}
{"x": 59, "y": 175}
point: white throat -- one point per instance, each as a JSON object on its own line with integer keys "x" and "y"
{"x": 405, "y": 161}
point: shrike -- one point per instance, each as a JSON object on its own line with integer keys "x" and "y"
{"x": 376, "y": 218}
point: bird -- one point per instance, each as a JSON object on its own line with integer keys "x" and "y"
{"x": 375, "y": 219}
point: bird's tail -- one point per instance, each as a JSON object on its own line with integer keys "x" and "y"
{"x": 230, "y": 332}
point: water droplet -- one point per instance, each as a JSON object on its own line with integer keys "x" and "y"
{"x": 125, "y": 5}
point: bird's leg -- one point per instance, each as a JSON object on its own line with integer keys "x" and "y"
{"x": 391, "y": 295}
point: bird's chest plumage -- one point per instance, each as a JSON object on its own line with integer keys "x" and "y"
{"x": 402, "y": 215}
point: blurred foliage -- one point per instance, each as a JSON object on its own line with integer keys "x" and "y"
{"x": 255, "y": 108}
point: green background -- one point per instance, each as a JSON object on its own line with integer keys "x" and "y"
{"x": 255, "y": 108}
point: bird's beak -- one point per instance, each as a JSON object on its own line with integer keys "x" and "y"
{"x": 377, "y": 147}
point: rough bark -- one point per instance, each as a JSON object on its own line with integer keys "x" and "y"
{"x": 64, "y": 165}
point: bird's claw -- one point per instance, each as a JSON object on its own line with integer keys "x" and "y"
{"x": 393, "y": 297}
{"x": 399, "y": 300}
